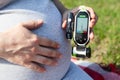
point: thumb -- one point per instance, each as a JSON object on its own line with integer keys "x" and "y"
{"x": 64, "y": 19}
{"x": 32, "y": 24}
{"x": 91, "y": 35}
{"x": 64, "y": 24}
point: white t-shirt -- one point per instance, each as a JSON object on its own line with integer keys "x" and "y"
{"x": 25, "y": 10}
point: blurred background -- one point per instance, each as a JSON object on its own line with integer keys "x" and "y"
{"x": 106, "y": 44}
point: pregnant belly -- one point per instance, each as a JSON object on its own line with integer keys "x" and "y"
{"x": 50, "y": 29}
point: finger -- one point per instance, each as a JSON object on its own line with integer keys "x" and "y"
{"x": 92, "y": 35}
{"x": 93, "y": 16}
{"x": 44, "y": 60}
{"x": 75, "y": 10}
{"x": 32, "y": 24}
{"x": 92, "y": 13}
{"x": 64, "y": 19}
{"x": 64, "y": 24}
{"x": 48, "y": 52}
{"x": 34, "y": 67}
{"x": 47, "y": 42}
{"x": 92, "y": 23}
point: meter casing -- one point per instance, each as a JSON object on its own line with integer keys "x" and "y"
{"x": 78, "y": 29}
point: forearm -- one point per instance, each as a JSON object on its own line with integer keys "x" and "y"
{"x": 60, "y": 6}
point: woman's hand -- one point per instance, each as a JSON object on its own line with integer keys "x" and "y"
{"x": 93, "y": 18}
{"x": 20, "y": 46}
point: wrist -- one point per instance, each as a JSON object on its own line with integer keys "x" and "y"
{"x": 60, "y": 6}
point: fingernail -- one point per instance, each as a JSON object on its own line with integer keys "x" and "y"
{"x": 55, "y": 63}
{"x": 60, "y": 56}
{"x": 58, "y": 46}
{"x": 41, "y": 70}
{"x": 40, "y": 20}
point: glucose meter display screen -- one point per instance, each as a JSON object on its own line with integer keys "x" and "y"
{"x": 82, "y": 28}
{"x": 81, "y": 25}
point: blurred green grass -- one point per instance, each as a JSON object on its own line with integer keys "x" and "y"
{"x": 106, "y": 45}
